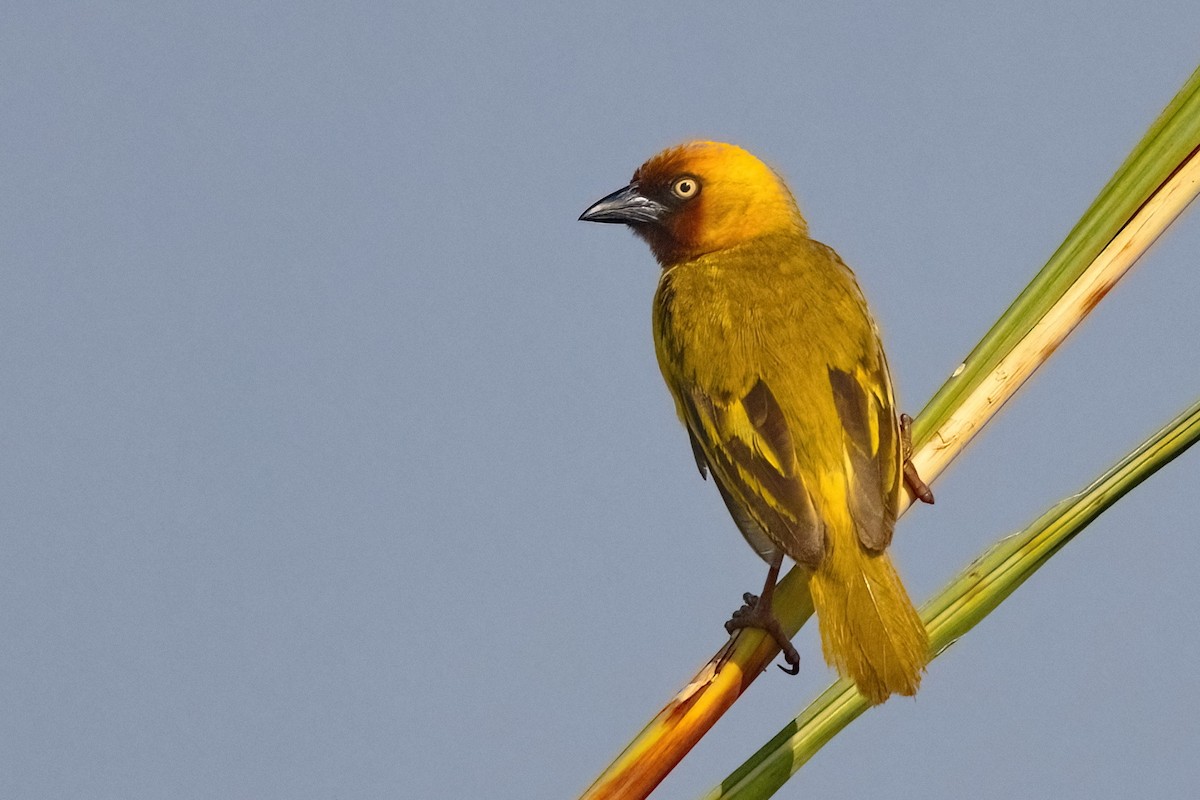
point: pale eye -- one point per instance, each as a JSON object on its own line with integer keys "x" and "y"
{"x": 685, "y": 188}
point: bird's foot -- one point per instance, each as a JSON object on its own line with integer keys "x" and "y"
{"x": 919, "y": 487}
{"x": 756, "y": 614}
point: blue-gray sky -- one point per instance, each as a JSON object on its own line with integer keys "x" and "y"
{"x": 334, "y": 460}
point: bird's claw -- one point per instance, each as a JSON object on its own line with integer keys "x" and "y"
{"x": 751, "y": 615}
{"x": 743, "y": 614}
{"x": 911, "y": 477}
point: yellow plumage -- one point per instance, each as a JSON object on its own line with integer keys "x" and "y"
{"x": 776, "y": 368}
{"x": 869, "y": 628}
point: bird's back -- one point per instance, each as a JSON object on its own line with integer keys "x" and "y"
{"x": 785, "y": 311}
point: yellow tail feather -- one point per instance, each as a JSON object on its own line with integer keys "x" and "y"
{"x": 870, "y": 631}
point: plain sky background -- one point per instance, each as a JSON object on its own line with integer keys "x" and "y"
{"x": 335, "y": 462}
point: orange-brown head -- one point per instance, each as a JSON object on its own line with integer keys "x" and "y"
{"x": 700, "y": 197}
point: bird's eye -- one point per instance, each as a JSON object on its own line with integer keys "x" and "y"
{"x": 685, "y": 188}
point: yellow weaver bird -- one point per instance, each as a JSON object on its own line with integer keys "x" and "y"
{"x": 770, "y": 352}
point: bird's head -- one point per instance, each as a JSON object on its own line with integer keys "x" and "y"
{"x": 700, "y": 197}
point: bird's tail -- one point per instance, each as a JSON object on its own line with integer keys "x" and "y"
{"x": 870, "y": 631}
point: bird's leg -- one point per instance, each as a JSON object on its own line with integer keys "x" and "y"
{"x": 757, "y": 613}
{"x": 919, "y": 487}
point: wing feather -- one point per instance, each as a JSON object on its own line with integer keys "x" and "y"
{"x": 871, "y": 438}
{"x": 748, "y": 445}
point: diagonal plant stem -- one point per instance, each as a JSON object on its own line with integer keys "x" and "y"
{"x": 1012, "y": 368}
{"x": 970, "y": 597}
{"x": 1152, "y": 187}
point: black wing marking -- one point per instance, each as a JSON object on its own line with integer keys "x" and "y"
{"x": 872, "y": 443}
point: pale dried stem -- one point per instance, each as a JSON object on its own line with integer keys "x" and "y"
{"x": 1114, "y": 261}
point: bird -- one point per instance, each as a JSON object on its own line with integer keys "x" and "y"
{"x": 778, "y": 374}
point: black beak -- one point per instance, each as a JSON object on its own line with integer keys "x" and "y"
{"x": 625, "y": 205}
